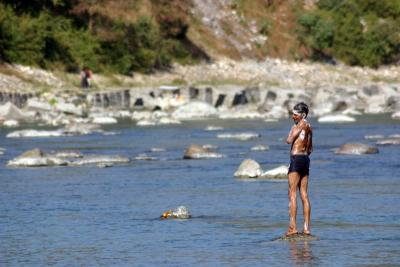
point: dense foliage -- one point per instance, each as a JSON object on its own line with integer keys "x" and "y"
{"x": 356, "y": 32}
{"x": 67, "y": 34}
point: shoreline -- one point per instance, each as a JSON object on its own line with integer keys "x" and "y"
{"x": 224, "y": 89}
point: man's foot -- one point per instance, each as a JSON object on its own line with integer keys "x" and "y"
{"x": 306, "y": 233}
{"x": 291, "y": 232}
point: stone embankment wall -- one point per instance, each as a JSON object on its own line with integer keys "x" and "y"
{"x": 18, "y": 99}
{"x": 366, "y": 98}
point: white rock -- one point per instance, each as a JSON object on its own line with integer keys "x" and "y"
{"x": 207, "y": 155}
{"x": 81, "y": 128}
{"x": 181, "y": 212}
{"x": 239, "y": 136}
{"x": 166, "y": 120}
{"x": 35, "y": 133}
{"x": 240, "y": 114}
{"x": 260, "y": 148}
{"x": 36, "y": 158}
{"x": 278, "y": 172}
{"x": 374, "y": 136}
{"x": 213, "y": 128}
{"x": 141, "y": 115}
{"x": 146, "y": 122}
{"x": 36, "y": 162}
{"x": 389, "y": 141}
{"x": 10, "y": 112}
{"x": 157, "y": 149}
{"x": 37, "y": 105}
{"x": 249, "y": 169}
{"x": 104, "y": 120}
{"x": 97, "y": 159}
{"x": 69, "y": 108}
{"x": 68, "y": 154}
{"x": 336, "y": 119}
{"x": 144, "y": 157}
{"x": 11, "y": 123}
{"x": 396, "y": 115}
{"x": 350, "y": 111}
{"x": 194, "y": 110}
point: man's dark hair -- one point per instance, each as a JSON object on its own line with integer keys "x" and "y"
{"x": 301, "y": 108}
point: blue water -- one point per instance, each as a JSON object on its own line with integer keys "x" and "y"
{"x": 90, "y": 216}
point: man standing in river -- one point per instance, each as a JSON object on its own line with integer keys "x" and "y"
{"x": 300, "y": 138}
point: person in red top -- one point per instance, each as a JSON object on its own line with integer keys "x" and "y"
{"x": 86, "y": 76}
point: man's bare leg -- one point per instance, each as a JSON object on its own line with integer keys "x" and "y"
{"x": 294, "y": 179}
{"x": 306, "y": 204}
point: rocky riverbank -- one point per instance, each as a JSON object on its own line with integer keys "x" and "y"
{"x": 225, "y": 89}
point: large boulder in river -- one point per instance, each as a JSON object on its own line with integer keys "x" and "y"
{"x": 36, "y": 158}
{"x": 280, "y": 172}
{"x": 249, "y": 169}
{"x": 357, "y": 149}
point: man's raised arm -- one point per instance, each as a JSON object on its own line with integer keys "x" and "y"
{"x": 293, "y": 134}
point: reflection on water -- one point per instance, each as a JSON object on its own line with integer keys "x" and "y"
{"x": 300, "y": 253}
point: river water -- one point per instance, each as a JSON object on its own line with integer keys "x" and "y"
{"x": 91, "y": 216}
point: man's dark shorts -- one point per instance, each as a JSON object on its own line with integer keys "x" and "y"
{"x": 299, "y": 164}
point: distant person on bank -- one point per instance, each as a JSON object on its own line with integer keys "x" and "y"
{"x": 86, "y": 76}
{"x": 300, "y": 138}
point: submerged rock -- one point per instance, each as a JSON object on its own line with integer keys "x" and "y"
{"x": 389, "y": 141}
{"x": 200, "y": 152}
{"x": 249, "y": 169}
{"x": 180, "y": 212}
{"x": 260, "y": 148}
{"x": 357, "y": 149}
{"x": 36, "y": 158}
{"x": 144, "y": 157}
{"x": 280, "y": 172}
{"x": 239, "y": 136}
{"x": 374, "y": 136}
{"x": 296, "y": 237}
{"x": 213, "y": 128}
{"x": 157, "y": 149}
{"x": 35, "y": 133}
{"x": 99, "y": 159}
{"x": 336, "y": 119}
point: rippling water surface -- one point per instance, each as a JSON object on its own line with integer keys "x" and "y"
{"x": 89, "y": 216}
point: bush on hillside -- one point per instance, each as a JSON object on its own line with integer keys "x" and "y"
{"x": 357, "y": 32}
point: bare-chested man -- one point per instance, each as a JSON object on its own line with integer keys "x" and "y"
{"x": 300, "y": 137}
